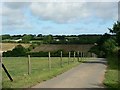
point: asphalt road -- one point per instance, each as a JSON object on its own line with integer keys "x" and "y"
{"x": 89, "y": 74}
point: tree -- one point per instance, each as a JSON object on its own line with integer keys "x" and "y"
{"x": 109, "y": 46}
{"x": 116, "y": 30}
{"x": 6, "y": 36}
{"x": 27, "y": 38}
{"x": 99, "y": 48}
{"x": 39, "y": 35}
{"x": 48, "y": 39}
{"x": 19, "y": 50}
{"x": 16, "y": 36}
{"x": 7, "y": 54}
{"x": 105, "y": 37}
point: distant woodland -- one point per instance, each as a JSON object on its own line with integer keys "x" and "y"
{"x": 52, "y": 39}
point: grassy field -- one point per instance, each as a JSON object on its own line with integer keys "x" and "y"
{"x": 10, "y": 46}
{"x": 17, "y": 67}
{"x": 112, "y": 74}
{"x": 67, "y": 48}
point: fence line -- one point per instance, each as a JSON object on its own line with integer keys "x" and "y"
{"x": 61, "y": 59}
{"x": 49, "y": 61}
{"x": 74, "y": 57}
{"x": 81, "y": 55}
{"x": 69, "y": 58}
{"x": 78, "y": 56}
{"x": 29, "y": 65}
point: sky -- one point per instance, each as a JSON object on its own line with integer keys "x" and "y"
{"x": 58, "y": 18}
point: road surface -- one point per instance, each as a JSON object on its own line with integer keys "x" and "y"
{"x": 89, "y": 74}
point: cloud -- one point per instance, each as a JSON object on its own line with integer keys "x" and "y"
{"x": 64, "y": 12}
{"x": 16, "y": 5}
{"x": 58, "y": 12}
{"x": 119, "y": 11}
{"x": 13, "y": 16}
{"x": 60, "y": 0}
{"x": 103, "y": 10}
{"x": 15, "y": 27}
{"x": 70, "y": 12}
{"x": 47, "y": 28}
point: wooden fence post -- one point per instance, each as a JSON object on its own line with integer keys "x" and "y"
{"x": 49, "y": 61}
{"x": 91, "y": 55}
{"x": 74, "y": 57}
{"x": 69, "y": 58}
{"x": 94, "y": 55}
{"x": 81, "y": 56}
{"x": 87, "y": 54}
{"x": 78, "y": 56}
{"x": 61, "y": 59}
{"x": 29, "y": 65}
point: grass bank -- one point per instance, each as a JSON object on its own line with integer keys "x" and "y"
{"x": 17, "y": 67}
{"x": 112, "y": 73}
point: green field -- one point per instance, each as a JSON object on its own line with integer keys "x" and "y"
{"x": 18, "y": 69}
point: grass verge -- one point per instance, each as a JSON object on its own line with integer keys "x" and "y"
{"x": 112, "y": 73}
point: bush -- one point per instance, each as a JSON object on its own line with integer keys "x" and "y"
{"x": 7, "y": 54}
{"x": 19, "y": 50}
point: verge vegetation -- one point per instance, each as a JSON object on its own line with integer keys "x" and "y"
{"x": 112, "y": 74}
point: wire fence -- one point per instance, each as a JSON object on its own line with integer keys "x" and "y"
{"x": 18, "y": 66}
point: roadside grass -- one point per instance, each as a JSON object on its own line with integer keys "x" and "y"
{"x": 112, "y": 73}
{"x": 18, "y": 69}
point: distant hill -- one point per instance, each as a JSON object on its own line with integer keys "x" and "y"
{"x": 46, "y": 48}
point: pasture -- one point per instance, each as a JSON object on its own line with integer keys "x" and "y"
{"x": 18, "y": 69}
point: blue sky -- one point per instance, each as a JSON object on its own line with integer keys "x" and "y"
{"x": 58, "y": 18}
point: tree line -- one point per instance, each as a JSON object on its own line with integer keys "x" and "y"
{"x": 52, "y": 39}
{"x": 108, "y": 45}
